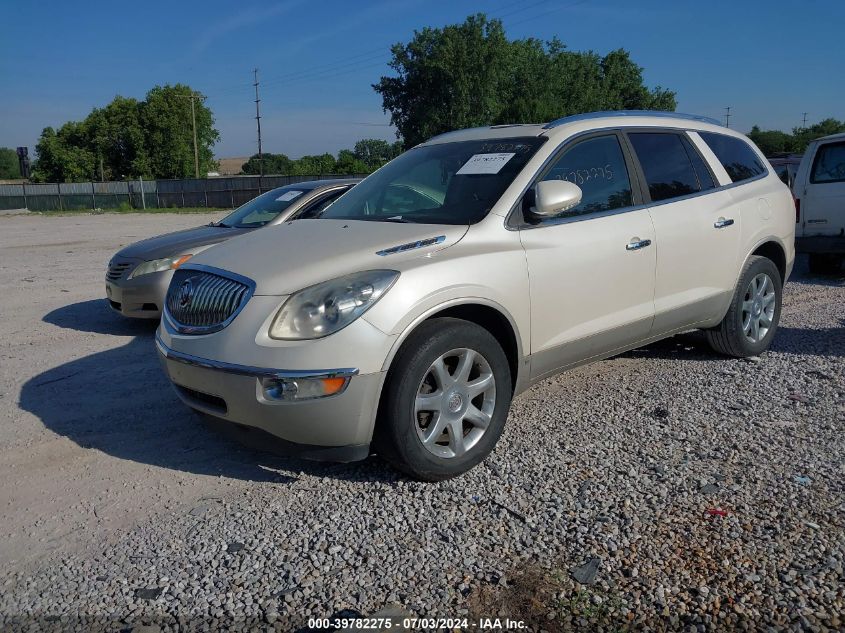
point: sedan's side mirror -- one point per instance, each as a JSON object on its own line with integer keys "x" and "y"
{"x": 553, "y": 197}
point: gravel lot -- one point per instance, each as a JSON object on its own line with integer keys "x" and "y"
{"x": 681, "y": 489}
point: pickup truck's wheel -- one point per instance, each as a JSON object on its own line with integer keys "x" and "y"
{"x": 824, "y": 264}
{"x": 445, "y": 400}
{"x": 752, "y": 319}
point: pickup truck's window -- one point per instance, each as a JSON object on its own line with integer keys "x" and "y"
{"x": 739, "y": 160}
{"x": 597, "y": 165}
{"x": 829, "y": 164}
{"x": 666, "y": 164}
{"x": 446, "y": 183}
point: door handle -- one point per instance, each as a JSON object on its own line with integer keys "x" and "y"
{"x": 722, "y": 223}
{"x": 635, "y": 244}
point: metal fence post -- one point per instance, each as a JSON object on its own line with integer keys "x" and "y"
{"x": 59, "y": 190}
{"x": 143, "y": 199}
{"x": 25, "y": 204}
{"x": 93, "y": 197}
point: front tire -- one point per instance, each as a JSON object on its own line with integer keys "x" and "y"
{"x": 445, "y": 400}
{"x": 753, "y": 316}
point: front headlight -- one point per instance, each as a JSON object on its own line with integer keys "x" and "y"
{"x": 159, "y": 265}
{"x": 323, "y": 309}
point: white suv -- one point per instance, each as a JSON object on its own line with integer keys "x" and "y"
{"x": 406, "y": 317}
{"x": 819, "y": 190}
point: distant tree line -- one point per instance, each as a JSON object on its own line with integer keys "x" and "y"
{"x": 128, "y": 138}
{"x": 773, "y": 142}
{"x": 367, "y": 156}
{"x": 10, "y": 168}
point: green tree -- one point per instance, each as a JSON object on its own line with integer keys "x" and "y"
{"x": 470, "y": 75}
{"x": 166, "y": 119}
{"x": 773, "y": 142}
{"x": 129, "y": 138}
{"x": 349, "y": 163}
{"x": 826, "y": 127}
{"x": 314, "y": 165}
{"x": 274, "y": 164}
{"x": 374, "y": 153}
{"x": 10, "y": 168}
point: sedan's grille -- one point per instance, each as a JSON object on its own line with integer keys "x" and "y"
{"x": 116, "y": 270}
{"x": 199, "y": 302}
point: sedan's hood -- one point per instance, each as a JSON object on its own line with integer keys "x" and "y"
{"x": 179, "y": 243}
{"x": 285, "y": 258}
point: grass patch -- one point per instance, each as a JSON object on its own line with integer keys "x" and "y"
{"x": 131, "y": 211}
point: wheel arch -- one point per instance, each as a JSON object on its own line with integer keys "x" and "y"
{"x": 772, "y": 249}
{"x": 484, "y": 313}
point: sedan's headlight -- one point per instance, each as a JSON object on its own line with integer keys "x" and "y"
{"x": 323, "y": 309}
{"x": 159, "y": 265}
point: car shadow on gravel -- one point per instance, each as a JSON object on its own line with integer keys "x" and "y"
{"x": 120, "y": 402}
{"x": 96, "y": 316}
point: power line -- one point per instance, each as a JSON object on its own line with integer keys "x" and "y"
{"x": 804, "y": 123}
{"x": 728, "y": 116}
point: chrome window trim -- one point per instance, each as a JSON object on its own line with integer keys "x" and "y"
{"x": 513, "y": 226}
{"x": 209, "y": 329}
{"x": 247, "y": 370}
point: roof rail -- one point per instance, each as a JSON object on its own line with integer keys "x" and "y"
{"x": 611, "y": 113}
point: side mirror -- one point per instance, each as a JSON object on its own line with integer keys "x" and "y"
{"x": 553, "y": 197}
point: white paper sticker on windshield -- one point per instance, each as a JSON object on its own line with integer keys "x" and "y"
{"x": 287, "y": 196}
{"x": 485, "y": 163}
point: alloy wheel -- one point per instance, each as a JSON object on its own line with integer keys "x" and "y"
{"x": 758, "y": 307}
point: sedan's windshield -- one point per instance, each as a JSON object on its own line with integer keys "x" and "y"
{"x": 449, "y": 183}
{"x": 262, "y": 209}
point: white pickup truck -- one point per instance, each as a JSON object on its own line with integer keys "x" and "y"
{"x": 819, "y": 191}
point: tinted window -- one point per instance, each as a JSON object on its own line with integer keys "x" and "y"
{"x": 736, "y": 156}
{"x": 829, "y": 164}
{"x": 445, "y": 183}
{"x": 597, "y": 165}
{"x": 666, "y": 164}
{"x": 318, "y": 206}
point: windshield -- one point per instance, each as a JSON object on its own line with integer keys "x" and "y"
{"x": 450, "y": 183}
{"x": 262, "y": 209}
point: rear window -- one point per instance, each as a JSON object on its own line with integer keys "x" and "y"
{"x": 739, "y": 160}
{"x": 829, "y": 164}
{"x": 668, "y": 165}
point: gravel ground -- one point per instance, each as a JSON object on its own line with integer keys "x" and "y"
{"x": 665, "y": 489}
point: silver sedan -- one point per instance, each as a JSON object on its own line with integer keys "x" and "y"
{"x": 139, "y": 274}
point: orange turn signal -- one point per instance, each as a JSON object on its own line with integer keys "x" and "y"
{"x": 180, "y": 261}
{"x": 332, "y": 385}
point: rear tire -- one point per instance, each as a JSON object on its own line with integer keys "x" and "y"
{"x": 753, "y": 316}
{"x": 825, "y": 264}
{"x": 445, "y": 400}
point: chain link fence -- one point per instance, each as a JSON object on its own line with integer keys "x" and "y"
{"x": 216, "y": 193}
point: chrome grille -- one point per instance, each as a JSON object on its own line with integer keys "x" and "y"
{"x": 117, "y": 270}
{"x": 199, "y": 302}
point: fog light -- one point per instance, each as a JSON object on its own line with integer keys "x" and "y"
{"x": 296, "y": 389}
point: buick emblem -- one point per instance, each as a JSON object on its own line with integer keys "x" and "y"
{"x": 186, "y": 294}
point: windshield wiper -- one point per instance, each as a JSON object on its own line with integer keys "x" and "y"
{"x": 219, "y": 224}
{"x": 397, "y": 218}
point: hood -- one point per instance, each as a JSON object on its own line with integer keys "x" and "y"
{"x": 179, "y": 242}
{"x": 286, "y": 258}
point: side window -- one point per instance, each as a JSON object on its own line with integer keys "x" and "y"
{"x": 597, "y": 165}
{"x": 666, "y": 164}
{"x": 739, "y": 160}
{"x": 829, "y": 164}
{"x": 314, "y": 209}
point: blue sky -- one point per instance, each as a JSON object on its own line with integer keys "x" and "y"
{"x": 770, "y": 61}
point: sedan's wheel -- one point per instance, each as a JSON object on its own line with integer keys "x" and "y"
{"x": 445, "y": 400}
{"x": 752, "y": 318}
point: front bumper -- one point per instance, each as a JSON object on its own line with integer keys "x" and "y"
{"x": 337, "y": 427}
{"x": 141, "y": 297}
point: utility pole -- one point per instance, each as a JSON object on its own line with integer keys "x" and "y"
{"x": 728, "y": 116}
{"x": 196, "y": 151}
{"x": 804, "y": 123}
{"x": 193, "y": 96}
{"x": 258, "y": 125}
